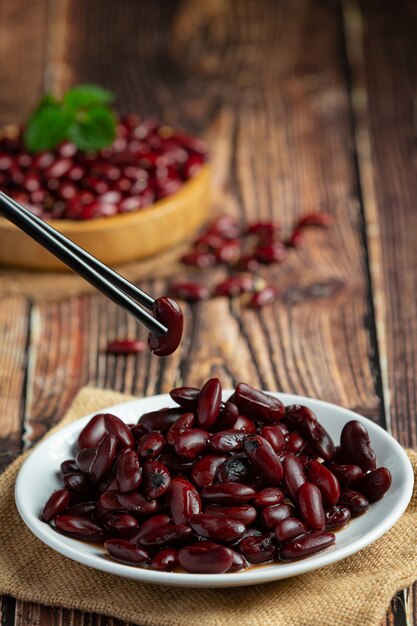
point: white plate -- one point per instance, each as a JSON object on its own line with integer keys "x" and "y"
{"x": 38, "y": 477}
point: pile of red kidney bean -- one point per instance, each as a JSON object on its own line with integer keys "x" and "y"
{"x": 211, "y": 486}
{"x": 146, "y": 162}
{"x": 244, "y": 251}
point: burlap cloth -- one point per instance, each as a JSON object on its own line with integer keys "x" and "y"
{"x": 354, "y": 592}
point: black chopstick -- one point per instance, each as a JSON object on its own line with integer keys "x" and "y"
{"x": 102, "y": 277}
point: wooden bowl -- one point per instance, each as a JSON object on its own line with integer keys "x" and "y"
{"x": 121, "y": 238}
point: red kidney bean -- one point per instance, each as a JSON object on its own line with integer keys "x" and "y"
{"x": 227, "y": 418}
{"x": 125, "y": 346}
{"x": 191, "y": 292}
{"x": 84, "y": 459}
{"x": 274, "y": 437}
{"x": 200, "y": 259}
{"x": 271, "y": 515}
{"x": 114, "y": 426}
{"x": 310, "y": 505}
{"x": 126, "y": 552}
{"x": 227, "y": 493}
{"x": 235, "y": 286}
{"x": 205, "y": 558}
{"x": 239, "y": 562}
{"x": 191, "y": 443}
{"x": 326, "y": 481}
{"x": 294, "y": 475}
{"x": 205, "y": 469}
{"x": 68, "y": 467}
{"x": 227, "y": 440}
{"x": 183, "y": 500}
{"x": 132, "y": 502}
{"x": 180, "y": 426}
{"x": 294, "y": 443}
{"x": 263, "y": 297}
{"x": 86, "y": 509}
{"x": 245, "y": 424}
{"x": 337, "y": 517}
{"x": 103, "y": 458}
{"x": 345, "y": 474}
{"x": 289, "y": 528}
{"x": 273, "y": 252}
{"x": 263, "y": 459}
{"x": 92, "y": 433}
{"x": 57, "y": 503}
{"x": 258, "y": 405}
{"x": 209, "y": 403}
{"x": 168, "y": 313}
{"x": 166, "y": 533}
{"x": 307, "y": 545}
{"x": 187, "y": 397}
{"x": 282, "y": 427}
{"x": 109, "y": 484}
{"x": 160, "y": 420}
{"x": 296, "y": 239}
{"x": 165, "y": 560}
{"x": 156, "y": 479}
{"x": 354, "y": 501}
{"x": 78, "y": 483}
{"x": 228, "y": 252}
{"x": 374, "y": 484}
{"x": 120, "y": 523}
{"x": 356, "y": 447}
{"x": 137, "y": 431}
{"x": 244, "y": 514}
{"x": 175, "y": 464}
{"x": 150, "y": 445}
{"x": 296, "y": 415}
{"x": 263, "y": 229}
{"x": 268, "y": 496}
{"x": 128, "y": 471}
{"x": 217, "y": 528}
{"x": 258, "y": 549}
{"x": 79, "y": 527}
{"x": 322, "y": 220}
{"x": 235, "y": 469}
{"x": 149, "y": 525}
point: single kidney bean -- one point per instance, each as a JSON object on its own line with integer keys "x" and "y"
{"x": 84, "y": 459}
{"x": 78, "y": 483}
{"x": 168, "y": 313}
{"x": 234, "y": 286}
{"x": 235, "y": 469}
{"x": 150, "y": 445}
{"x": 103, "y": 458}
{"x": 227, "y": 493}
{"x": 191, "y": 443}
{"x": 337, "y": 517}
{"x": 128, "y": 471}
{"x": 79, "y": 527}
{"x": 356, "y": 447}
{"x": 191, "y": 292}
{"x": 132, "y": 502}
{"x": 374, "y": 484}
{"x": 239, "y": 562}
{"x": 264, "y": 460}
{"x": 310, "y": 505}
{"x": 227, "y": 440}
{"x": 183, "y": 500}
{"x": 187, "y": 397}
{"x": 271, "y": 515}
{"x": 125, "y": 346}
{"x": 227, "y": 418}
{"x": 165, "y": 560}
{"x": 294, "y": 442}
{"x": 354, "y": 501}
{"x": 149, "y": 525}
{"x": 198, "y": 258}
{"x": 345, "y": 474}
{"x": 57, "y": 503}
{"x": 268, "y": 497}
{"x": 294, "y": 475}
{"x": 244, "y": 514}
{"x": 263, "y": 297}
{"x": 126, "y": 552}
{"x": 120, "y": 523}
{"x": 86, "y": 509}
{"x": 160, "y": 420}
{"x": 205, "y": 558}
{"x": 228, "y": 252}
{"x": 209, "y": 403}
{"x": 92, "y": 433}
{"x": 326, "y": 481}
{"x": 289, "y": 528}
{"x": 307, "y": 545}
{"x": 114, "y": 426}
{"x": 69, "y": 467}
{"x": 258, "y": 549}
{"x": 296, "y": 415}
{"x": 156, "y": 479}
{"x": 217, "y": 528}
{"x": 273, "y": 252}
{"x": 244, "y": 424}
{"x": 166, "y": 533}
{"x": 184, "y": 422}
{"x": 318, "y": 438}
{"x": 274, "y": 436}
{"x": 258, "y": 405}
{"x": 137, "y": 431}
{"x": 205, "y": 469}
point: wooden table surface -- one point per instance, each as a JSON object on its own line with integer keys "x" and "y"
{"x": 307, "y": 104}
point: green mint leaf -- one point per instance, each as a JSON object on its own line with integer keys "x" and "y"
{"x": 93, "y": 129}
{"x": 86, "y": 96}
{"x": 47, "y": 126}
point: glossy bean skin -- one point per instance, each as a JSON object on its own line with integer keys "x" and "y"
{"x": 184, "y": 422}
{"x": 307, "y": 545}
{"x": 174, "y": 464}
{"x": 355, "y": 446}
{"x": 235, "y": 469}
{"x": 374, "y": 484}
{"x": 326, "y": 481}
{"x": 346, "y": 474}
{"x": 169, "y": 313}
{"x": 296, "y": 415}
{"x": 239, "y": 562}
{"x": 69, "y": 466}
{"x": 57, "y": 503}
{"x": 227, "y": 441}
{"x": 128, "y": 471}
{"x": 227, "y": 418}
{"x": 86, "y": 509}
{"x": 166, "y": 533}
{"x": 103, "y": 459}
{"x": 337, "y": 517}
{"x": 274, "y": 436}
{"x": 245, "y": 424}
{"x": 217, "y": 528}
{"x": 272, "y": 515}
{"x": 191, "y": 443}
{"x": 114, "y": 426}
{"x": 150, "y": 445}
{"x": 188, "y": 291}
{"x": 78, "y": 483}
{"x": 294, "y": 443}
{"x": 227, "y": 494}
{"x": 125, "y": 552}
{"x": 132, "y": 502}
{"x": 310, "y": 505}
{"x": 294, "y": 475}
{"x": 205, "y": 558}
{"x": 165, "y": 560}
{"x": 318, "y": 439}
{"x": 156, "y": 479}
{"x": 84, "y": 459}
{"x": 258, "y": 549}
{"x": 161, "y": 420}
{"x": 79, "y": 527}
{"x": 209, "y": 403}
{"x": 244, "y": 514}
{"x": 187, "y": 397}
{"x": 264, "y": 459}
{"x": 268, "y": 497}
{"x": 354, "y": 501}
{"x": 92, "y": 433}
{"x": 149, "y": 525}
{"x": 205, "y": 469}
{"x": 258, "y": 405}
{"x": 120, "y": 523}
{"x": 183, "y": 500}
{"x": 289, "y": 528}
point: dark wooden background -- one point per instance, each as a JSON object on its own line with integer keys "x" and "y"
{"x": 307, "y": 104}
